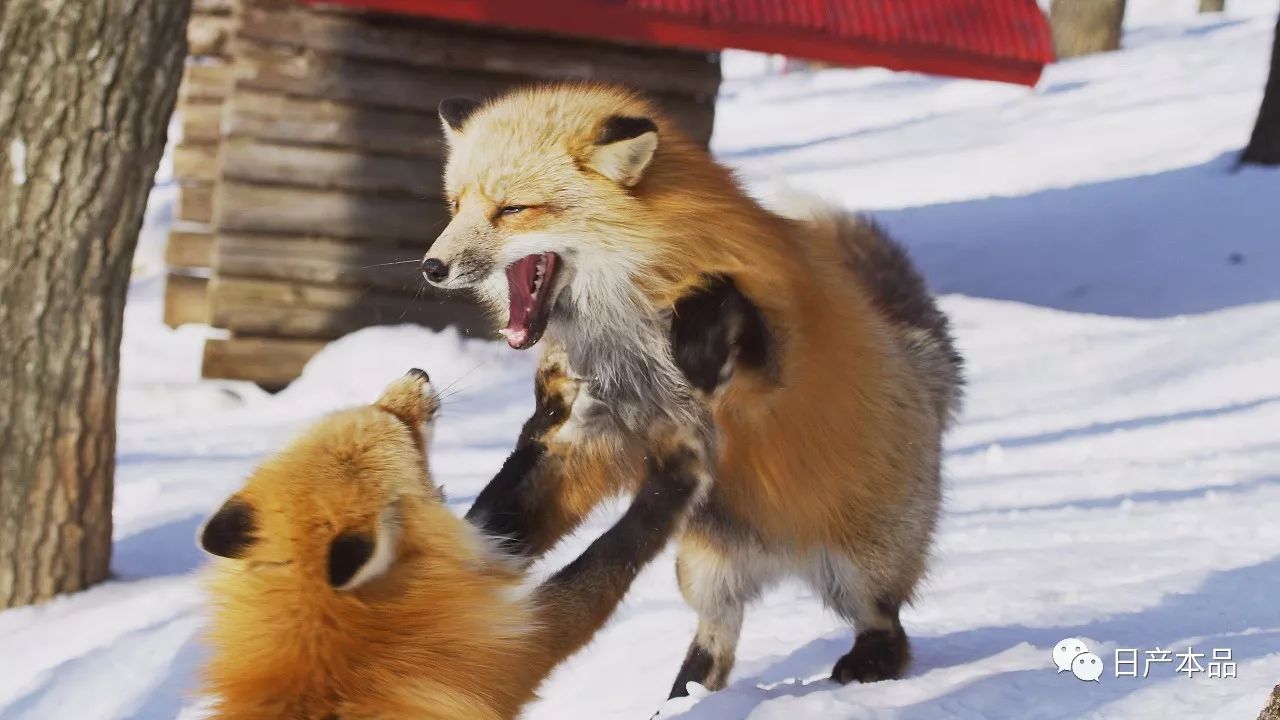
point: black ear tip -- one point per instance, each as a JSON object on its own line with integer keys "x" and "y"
{"x": 347, "y": 555}
{"x": 621, "y": 127}
{"x": 456, "y": 110}
{"x": 230, "y": 531}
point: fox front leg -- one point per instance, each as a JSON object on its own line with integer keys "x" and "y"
{"x": 579, "y": 599}
{"x": 559, "y": 471}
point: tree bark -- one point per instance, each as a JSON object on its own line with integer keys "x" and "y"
{"x": 88, "y": 87}
{"x": 1208, "y": 6}
{"x": 1081, "y": 27}
{"x": 1264, "y": 144}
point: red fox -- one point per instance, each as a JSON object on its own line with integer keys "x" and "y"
{"x": 344, "y": 589}
{"x": 582, "y": 213}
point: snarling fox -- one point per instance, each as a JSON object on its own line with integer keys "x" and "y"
{"x": 582, "y": 213}
{"x": 345, "y": 589}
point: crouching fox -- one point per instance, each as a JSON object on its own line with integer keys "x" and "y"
{"x": 581, "y": 213}
{"x": 346, "y": 590}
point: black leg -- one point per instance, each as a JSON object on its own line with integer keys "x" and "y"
{"x": 513, "y": 505}
{"x": 500, "y": 509}
{"x": 697, "y": 667}
{"x": 576, "y": 601}
{"x": 879, "y": 654}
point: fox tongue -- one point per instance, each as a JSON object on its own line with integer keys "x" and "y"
{"x": 521, "y": 278}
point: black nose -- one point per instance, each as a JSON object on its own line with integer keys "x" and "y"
{"x": 434, "y": 270}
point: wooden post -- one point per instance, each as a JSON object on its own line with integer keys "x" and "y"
{"x": 1081, "y": 27}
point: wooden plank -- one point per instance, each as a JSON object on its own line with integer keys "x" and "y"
{"x": 196, "y": 161}
{"x": 468, "y": 48}
{"x": 189, "y": 246}
{"x": 270, "y": 362}
{"x": 329, "y": 168}
{"x": 330, "y": 261}
{"x": 201, "y": 121}
{"x": 287, "y": 119}
{"x": 247, "y": 207}
{"x": 216, "y": 7}
{"x": 207, "y": 34}
{"x": 206, "y": 80}
{"x": 195, "y": 202}
{"x": 306, "y": 73}
{"x": 298, "y": 310}
{"x": 185, "y": 299}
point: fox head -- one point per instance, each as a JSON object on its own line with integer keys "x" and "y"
{"x": 344, "y": 586}
{"x": 333, "y": 507}
{"x": 548, "y": 191}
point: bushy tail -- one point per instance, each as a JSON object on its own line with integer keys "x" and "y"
{"x": 883, "y": 268}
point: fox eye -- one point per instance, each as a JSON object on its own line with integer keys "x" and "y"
{"x": 512, "y": 209}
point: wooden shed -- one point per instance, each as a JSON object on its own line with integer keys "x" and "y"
{"x": 310, "y": 159}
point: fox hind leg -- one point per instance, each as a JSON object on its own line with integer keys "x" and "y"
{"x": 877, "y": 654}
{"x": 881, "y": 650}
{"x": 718, "y": 585}
{"x": 711, "y": 653}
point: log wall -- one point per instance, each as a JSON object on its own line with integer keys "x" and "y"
{"x": 310, "y": 163}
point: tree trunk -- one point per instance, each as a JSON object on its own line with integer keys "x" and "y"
{"x": 1208, "y": 6}
{"x": 87, "y": 90}
{"x": 1264, "y": 144}
{"x": 1272, "y": 710}
{"x": 1081, "y": 27}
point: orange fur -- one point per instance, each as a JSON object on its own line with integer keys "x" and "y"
{"x": 812, "y": 461}
{"x": 445, "y": 631}
{"x": 829, "y": 453}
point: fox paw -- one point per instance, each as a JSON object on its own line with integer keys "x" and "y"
{"x": 876, "y": 655}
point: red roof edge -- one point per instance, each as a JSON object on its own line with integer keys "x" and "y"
{"x": 614, "y": 21}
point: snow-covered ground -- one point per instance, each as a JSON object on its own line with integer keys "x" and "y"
{"x": 1116, "y": 478}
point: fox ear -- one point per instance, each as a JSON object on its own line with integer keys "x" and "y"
{"x": 356, "y": 557}
{"x": 230, "y": 532}
{"x": 454, "y": 112}
{"x": 624, "y": 149}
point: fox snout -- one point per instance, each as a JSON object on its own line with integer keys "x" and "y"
{"x": 457, "y": 259}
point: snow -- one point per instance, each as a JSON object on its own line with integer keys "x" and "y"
{"x": 1115, "y": 287}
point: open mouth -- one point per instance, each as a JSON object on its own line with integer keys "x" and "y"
{"x": 530, "y": 282}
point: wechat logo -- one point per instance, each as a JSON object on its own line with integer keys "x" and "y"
{"x": 1072, "y": 655}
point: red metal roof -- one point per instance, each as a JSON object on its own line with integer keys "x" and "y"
{"x": 1005, "y": 40}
